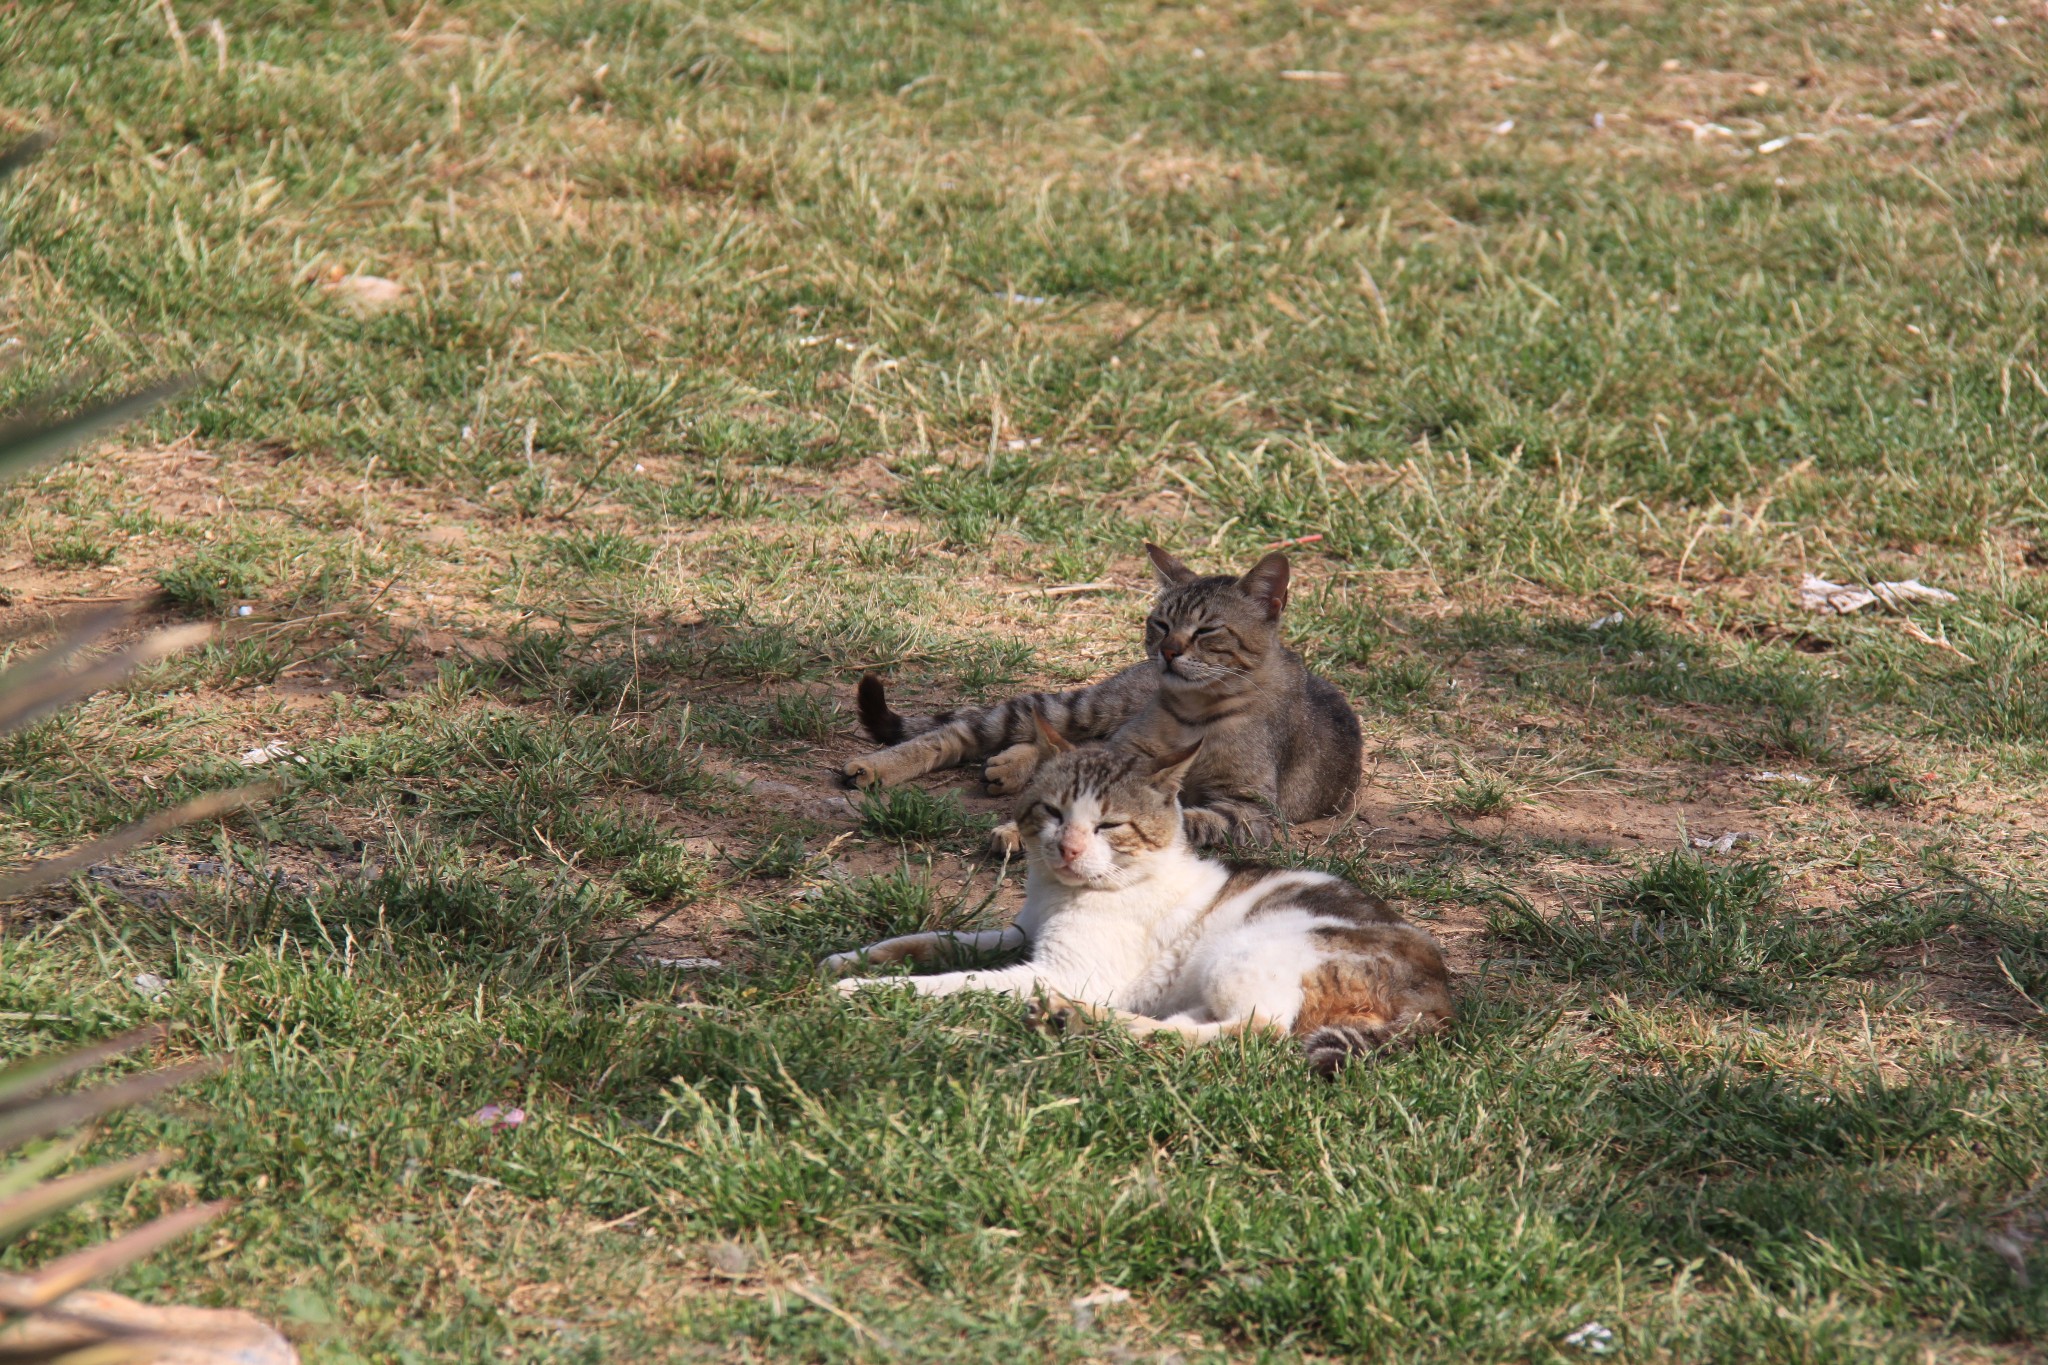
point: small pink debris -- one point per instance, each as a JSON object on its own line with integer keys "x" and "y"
{"x": 366, "y": 293}
{"x": 1298, "y": 540}
{"x": 496, "y": 1117}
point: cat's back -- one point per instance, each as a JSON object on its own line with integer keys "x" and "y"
{"x": 1306, "y": 917}
{"x": 1252, "y": 892}
{"x": 1324, "y": 752}
{"x": 1321, "y": 957}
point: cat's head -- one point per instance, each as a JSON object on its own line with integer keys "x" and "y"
{"x": 1097, "y": 816}
{"x": 1212, "y": 633}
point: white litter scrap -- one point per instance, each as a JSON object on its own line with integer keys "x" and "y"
{"x": 270, "y": 753}
{"x": 1796, "y": 779}
{"x": 1840, "y": 599}
{"x": 1612, "y": 619}
{"x": 688, "y": 964}
{"x": 1085, "y": 1306}
{"x": 1594, "y": 1338}
{"x": 1725, "y": 843}
{"x": 149, "y": 985}
{"x": 1701, "y": 132}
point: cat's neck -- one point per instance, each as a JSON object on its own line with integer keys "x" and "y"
{"x": 1277, "y": 676}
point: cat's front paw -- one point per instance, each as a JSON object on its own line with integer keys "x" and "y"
{"x": 1051, "y": 1012}
{"x": 1004, "y": 841}
{"x": 840, "y": 964}
{"x": 1006, "y": 773}
{"x": 861, "y": 772}
{"x": 1248, "y": 830}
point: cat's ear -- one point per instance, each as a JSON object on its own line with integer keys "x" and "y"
{"x": 1172, "y": 573}
{"x": 1170, "y": 770}
{"x": 1266, "y": 584}
{"x": 1050, "y": 740}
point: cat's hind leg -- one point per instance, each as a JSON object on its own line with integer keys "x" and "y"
{"x": 899, "y": 763}
{"x": 920, "y": 744}
{"x": 959, "y": 739}
{"x": 942, "y": 948}
{"x": 1020, "y": 980}
{"x": 1059, "y": 1013}
{"x": 1006, "y": 773}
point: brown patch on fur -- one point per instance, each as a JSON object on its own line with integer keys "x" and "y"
{"x": 1342, "y": 900}
{"x": 1392, "y": 981}
{"x": 1243, "y": 876}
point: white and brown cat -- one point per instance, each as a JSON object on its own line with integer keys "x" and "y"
{"x": 1124, "y": 919}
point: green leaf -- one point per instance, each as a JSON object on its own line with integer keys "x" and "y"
{"x": 28, "y": 442}
{"x": 27, "y": 1078}
{"x": 44, "y": 1117}
{"x": 27, "y": 1293}
{"x": 33, "y": 1205}
{"x": 49, "y": 692}
{"x": 37, "y": 1165}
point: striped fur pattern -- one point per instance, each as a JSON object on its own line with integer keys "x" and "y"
{"x": 1278, "y": 743}
{"x": 922, "y": 744}
{"x": 1123, "y": 919}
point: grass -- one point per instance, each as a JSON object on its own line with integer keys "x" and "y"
{"x": 745, "y": 349}
{"x": 912, "y": 815}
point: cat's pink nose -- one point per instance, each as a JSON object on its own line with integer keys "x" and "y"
{"x": 1072, "y": 848}
{"x": 1172, "y": 649}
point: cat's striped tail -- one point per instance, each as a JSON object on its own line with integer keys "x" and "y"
{"x": 885, "y": 724}
{"x": 1332, "y": 1047}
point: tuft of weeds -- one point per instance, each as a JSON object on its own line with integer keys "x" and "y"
{"x": 1400, "y": 684}
{"x": 75, "y": 549}
{"x": 211, "y": 581}
{"x": 804, "y": 716}
{"x": 779, "y": 855}
{"x": 1882, "y": 786}
{"x": 913, "y": 815}
{"x": 990, "y": 666}
{"x": 1480, "y": 794}
{"x": 668, "y": 873}
{"x": 849, "y": 913}
{"x": 599, "y": 552}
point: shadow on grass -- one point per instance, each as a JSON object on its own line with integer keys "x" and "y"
{"x": 1689, "y": 927}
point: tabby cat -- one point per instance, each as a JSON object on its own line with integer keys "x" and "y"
{"x": 1124, "y": 920}
{"x": 1275, "y": 738}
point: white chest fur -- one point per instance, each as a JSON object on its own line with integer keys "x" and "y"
{"x": 1120, "y": 946}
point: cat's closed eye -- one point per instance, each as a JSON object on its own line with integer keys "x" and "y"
{"x": 1111, "y": 824}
